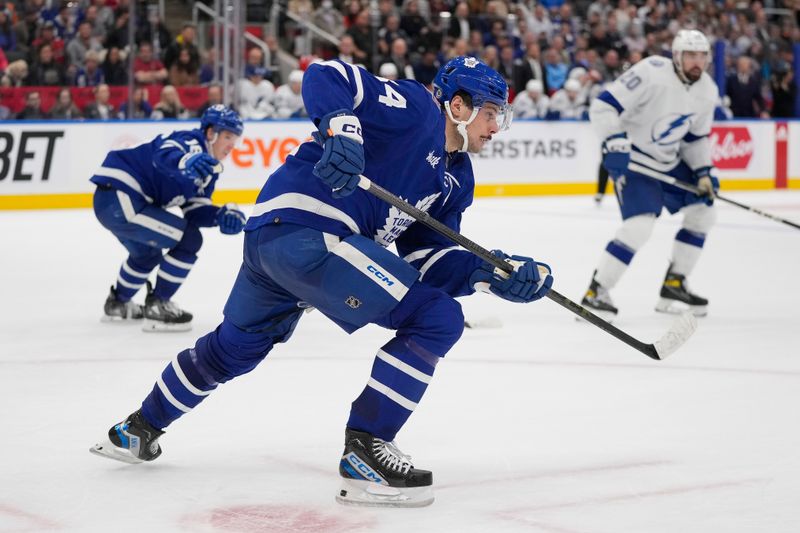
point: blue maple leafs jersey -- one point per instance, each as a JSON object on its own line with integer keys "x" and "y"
{"x": 404, "y": 144}
{"x": 151, "y": 170}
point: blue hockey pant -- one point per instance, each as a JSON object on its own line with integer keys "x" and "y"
{"x": 353, "y": 281}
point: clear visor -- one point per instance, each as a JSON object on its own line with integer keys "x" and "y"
{"x": 502, "y": 115}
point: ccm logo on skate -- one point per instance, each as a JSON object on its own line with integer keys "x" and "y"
{"x": 380, "y": 275}
{"x": 363, "y": 469}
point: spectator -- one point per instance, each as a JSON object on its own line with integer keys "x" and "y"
{"x": 210, "y": 69}
{"x": 15, "y": 75}
{"x": 5, "y": 113}
{"x": 398, "y": 55}
{"x": 141, "y": 107}
{"x": 413, "y": 23}
{"x": 45, "y": 70}
{"x": 744, "y": 89}
{"x": 540, "y": 23}
{"x": 115, "y": 69}
{"x": 347, "y": 50}
{"x": 80, "y": 44}
{"x": 255, "y": 93}
{"x": 390, "y": 33}
{"x": 8, "y": 38}
{"x": 105, "y": 18}
{"x": 214, "y": 98}
{"x": 532, "y": 102}
{"x": 90, "y": 75}
{"x": 154, "y": 33}
{"x": 118, "y": 37}
{"x": 531, "y": 64}
{"x": 784, "y": 90}
{"x": 25, "y": 30}
{"x": 427, "y": 67}
{"x": 98, "y": 29}
{"x": 611, "y": 68}
{"x": 101, "y": 108}
{"x": 65, "y": 20}
{"x": 566, "y": 103}
{"x": 147, "y": 69}
{"x": 184, "y": 71}
{"x": 65, "y": 108}
{"x": 555, "y": 71}
{"x": 510, "y": 69}
{"x": 47, "y": 35}
{"x": 186, "y": 40}
{"x": 33, "y": 108}
{"x": 361, "y": 32}
{"x": 490, "y": 57}
{"x": 461, "y": 24}
{"x": 288, "y": 101}
{"x": 329, "y": 19}
{"x": 169, "y": 105}
{"x": 273, "y": 63}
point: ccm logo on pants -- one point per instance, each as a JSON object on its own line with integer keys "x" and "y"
{"x": 380, "y": 275}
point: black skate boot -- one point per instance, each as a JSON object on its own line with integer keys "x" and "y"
{"x": 376, "y": 473}
{"x": 676, "y": 298}
{"x": 598, "y": 301}
{"x": 164, "y": 315}
{"x": 131, "y": 441}
{"x": 115, "y": 310}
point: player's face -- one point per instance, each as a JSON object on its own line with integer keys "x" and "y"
{"x": 694, "y": 63}
{"x": 481, "y": 129}
{"x": 226, "y": 141}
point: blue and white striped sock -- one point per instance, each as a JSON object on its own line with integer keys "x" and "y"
{"x": 130, "y": 279}
{"x": 172, "y": 272}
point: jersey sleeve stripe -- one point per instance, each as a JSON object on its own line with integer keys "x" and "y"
{"x": 430, "y": 262}
{"x": 359, "y": 86}
{"x": 418, "y": 254}
{"x": 123, "y": 177}
{"x": 338, "y": 66}
{"x": 691, "y": 137}
{"x": 609, "y": 98}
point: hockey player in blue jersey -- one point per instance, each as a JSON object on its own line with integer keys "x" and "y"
{"x": 316, "y": 239}
{"x": 657, "y": 117}
{"x": 136, "y": 186}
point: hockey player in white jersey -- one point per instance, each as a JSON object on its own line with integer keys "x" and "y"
{"x": 658, "y": 116}
{"x": 532, "y": 102}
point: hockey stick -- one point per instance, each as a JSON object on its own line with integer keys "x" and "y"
{"x": 675, "y": 182}
{"x": 679, "y": 332}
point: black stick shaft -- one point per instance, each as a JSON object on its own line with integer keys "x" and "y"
{"x": 675, "y": 182}
{"x": 421, "y": 216}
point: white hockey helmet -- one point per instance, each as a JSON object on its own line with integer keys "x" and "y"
{"x": 534, "y": 86}
{"x": 688, "y": 41}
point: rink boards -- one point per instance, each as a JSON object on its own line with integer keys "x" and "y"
{"x": 47, "y": 164}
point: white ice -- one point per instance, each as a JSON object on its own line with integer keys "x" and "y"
{"x": 543, "y": 425}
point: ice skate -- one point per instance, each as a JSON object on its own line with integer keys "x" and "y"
{"x": 598, "y": 301}
{"x": 132, "y": 441}
{"x": 117, "y": 311}
{"x": 377, "y": 474}
{"x": 676, "y": 298}
{"x": 164, "y": 315}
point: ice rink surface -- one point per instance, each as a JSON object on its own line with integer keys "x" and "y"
{"x": 544, "y": 425}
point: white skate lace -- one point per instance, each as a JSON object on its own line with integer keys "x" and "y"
{"x": 170, "y": 307}
{"x": 390, "y": 456}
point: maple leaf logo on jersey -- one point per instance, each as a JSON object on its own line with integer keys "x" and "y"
{"x": 397, "y": 221}
{"x": 450, "y": 182}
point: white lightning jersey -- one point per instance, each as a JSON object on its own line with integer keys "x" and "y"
{"x": 665, "y": 119}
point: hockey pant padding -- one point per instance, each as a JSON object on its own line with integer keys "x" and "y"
{"x": 619, "y": 252}
{"x": 175, "y": 265}
{"x": 428, "y": 322}
{"x": 698, "y": 219}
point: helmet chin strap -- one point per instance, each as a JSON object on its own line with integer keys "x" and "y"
{"x": 210, "y": 144}
{"x": 461, "y": 125}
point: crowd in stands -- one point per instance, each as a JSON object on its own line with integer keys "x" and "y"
{"x": 556, "y": 55}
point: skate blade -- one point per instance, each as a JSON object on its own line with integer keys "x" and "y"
{"x": 119, "y": 320}
{"x": 673, "y": 307}
{"x": 371, "y": 494}
{"x": 155, "y": 325}
{"x": 108, "y": 450}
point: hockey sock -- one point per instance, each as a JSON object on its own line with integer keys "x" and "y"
{"x": 132, "y": 275}
{"x": 181, "y": 386}
{"x": 686, "y": 251}
{"x": 613, "y": 263}
{"x": 397, "y": 382}
{"x": 172, "y": 272}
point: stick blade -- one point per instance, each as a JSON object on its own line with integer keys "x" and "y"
{"x": 682, "y": 328}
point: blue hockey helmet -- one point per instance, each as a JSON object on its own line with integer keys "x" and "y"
{"x": 477, "y": 79}
{"x": 221, "y": 117}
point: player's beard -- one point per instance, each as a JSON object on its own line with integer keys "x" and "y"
{"x": 694, "y": 74}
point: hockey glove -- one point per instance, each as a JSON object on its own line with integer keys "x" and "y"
{"x": 708, "y": 184}
{"x": 198, "y": 167}
{"x": 230, "y": 219}
{"x": 616, "y": 155}
{"x": 342, "y": 158}
{"x": 529, "y": 281}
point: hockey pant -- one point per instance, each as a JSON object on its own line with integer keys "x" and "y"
{"x": 353, "y": 281}
{"x": 641, "y": 200}
{"x": 144, "y": 230}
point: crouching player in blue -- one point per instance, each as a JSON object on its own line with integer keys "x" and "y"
{"x": 136, "y": 186}
{"x": 316, "y": 239}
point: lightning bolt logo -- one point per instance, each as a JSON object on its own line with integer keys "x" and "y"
{"x": 672, "y": 126}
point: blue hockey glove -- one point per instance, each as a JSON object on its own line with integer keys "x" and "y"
{"x": 529, "y": 281}
{"x": 708, "y": 184}
{"x": 616, "y": 155}
{"x": 343, "y": 152}
{"x": 198, "y": 165}
{"x": 230, "y": 219}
